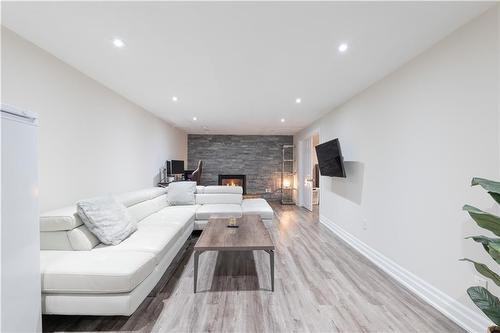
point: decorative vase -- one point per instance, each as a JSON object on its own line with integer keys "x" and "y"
{"x": 232, "y": 223}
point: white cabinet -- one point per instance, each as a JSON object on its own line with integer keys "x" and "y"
{"x": 19, "y": 226}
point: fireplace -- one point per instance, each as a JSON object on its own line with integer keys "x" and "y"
{"x": 234, "y": 180}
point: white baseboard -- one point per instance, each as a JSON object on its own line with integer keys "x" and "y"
{"x": 451, "y": 308}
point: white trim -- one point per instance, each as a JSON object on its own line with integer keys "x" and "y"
{"x": 451, "y": 308}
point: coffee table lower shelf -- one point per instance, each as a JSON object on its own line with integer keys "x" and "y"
{"x": 196, "y": 259}
{"x": 251, "y": 235}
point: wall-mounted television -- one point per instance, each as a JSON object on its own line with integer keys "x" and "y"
{"x": 330, "y": 160}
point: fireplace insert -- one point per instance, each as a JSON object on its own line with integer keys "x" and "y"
{"x": 234, "y": 180}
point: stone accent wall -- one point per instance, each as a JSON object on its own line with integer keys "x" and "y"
{"x": 256, "y": 156}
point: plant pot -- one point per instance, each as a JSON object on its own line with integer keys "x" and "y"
{"x": 493, "y": 329}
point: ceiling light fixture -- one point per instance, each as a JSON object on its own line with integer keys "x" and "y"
{"x": 174, "y": 98}
{"x": 298, "y": 101}
{"x": 195, "y": 118}
{"x": 117, "y": 42}
{"x": 343, "y": 47}
{"x": 282, "y": 120}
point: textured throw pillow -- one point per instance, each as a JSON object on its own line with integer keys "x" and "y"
{"x": 181, "y": 193}
{"x": 106, "y": 218}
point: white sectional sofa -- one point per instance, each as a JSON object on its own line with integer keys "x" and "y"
{"x": 82, "y": 276}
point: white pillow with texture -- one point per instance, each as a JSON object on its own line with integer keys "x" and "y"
{"x": 106, "y": 218}
{"x": 181, "y": 193}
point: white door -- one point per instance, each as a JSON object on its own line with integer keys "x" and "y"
{"x": 306, "y": 173}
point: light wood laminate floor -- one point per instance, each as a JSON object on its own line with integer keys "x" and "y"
{"x": 322, "y": 285}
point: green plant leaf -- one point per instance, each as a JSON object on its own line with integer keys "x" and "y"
{"x": 484, "y": 241}
{"x": 490, "y": 245}
{"x": 495, "y": 196}
{"x": 484, "y": 220}
{"x": 491, "y": 186}
{"x": 485, "y": 271}
{"x": 494, "y": 251}
{"x": 488, "y": 303}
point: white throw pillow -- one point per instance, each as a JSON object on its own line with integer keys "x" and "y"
{"x": 106, "y": 218}
{"x": 181, "y": 193}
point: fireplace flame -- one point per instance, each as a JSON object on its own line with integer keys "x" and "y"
{"x": 233, "y": 180}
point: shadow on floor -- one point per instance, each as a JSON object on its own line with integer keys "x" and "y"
{"x": 235, "y": 271}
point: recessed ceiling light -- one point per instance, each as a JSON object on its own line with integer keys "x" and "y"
{"x": 343, "y": 47}
{"x": 118, "y": 43}
{"x": 282, "y": 120}
{"x": 195, "y": 118}
{"x": 298, "y": 101}
{"x": 174, "y": 98}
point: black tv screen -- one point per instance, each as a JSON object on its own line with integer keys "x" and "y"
{"x": 330, "y": 160}
{"x": 177, "y": 167}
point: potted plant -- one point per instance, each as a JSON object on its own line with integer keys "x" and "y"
{"x": 486, "y": 301}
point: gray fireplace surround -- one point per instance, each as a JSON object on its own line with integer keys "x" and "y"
{"x": 258, "y": 157}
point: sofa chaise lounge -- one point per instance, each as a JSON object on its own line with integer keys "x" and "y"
{"x": 81, "y": 276}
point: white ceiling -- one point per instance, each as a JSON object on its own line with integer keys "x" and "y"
{"x": 237, "y": 67}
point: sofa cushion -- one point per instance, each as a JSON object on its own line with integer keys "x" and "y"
{"x": 174, "y": 214}
{"x": 92, "y": 272}
{"x": 106, "y": 218}
{"x": 181, "y": 193}
{"x": 135, "y": 197}
{"x": 60, "y": 219}
{"x": 77, "y": 239}
{"x": 200, "y": 189}
{"x": 205, "y": 212}
{"x": 67, "y": 218}
{"x": 157, "y": 240}
{"x": 219, "y": 198}
{"x": 257, "y": 206}
{"x": 55, "y": 240}
{"x": 168, "y": 217}
{"x": 160, "y": 202}
{"x": 178, "y": 225}
{"x": 81, "y": 239}
{"x": 142, "y": 210}
{"x": 223, "y": 189}
{"x": 187, "y": 209}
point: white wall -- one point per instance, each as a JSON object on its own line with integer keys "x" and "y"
{"x": 412, "y": 142}
{"x": 92, "y": 140}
